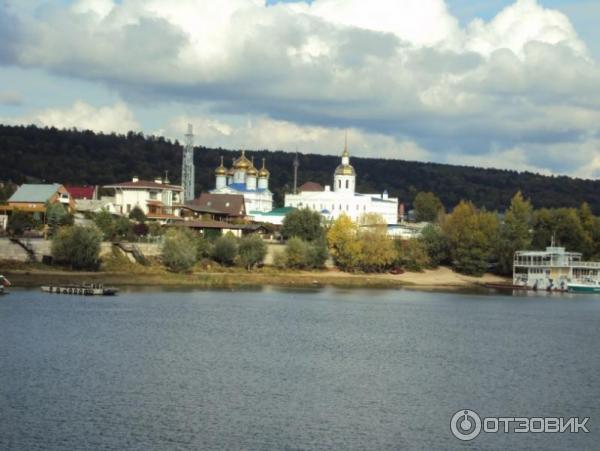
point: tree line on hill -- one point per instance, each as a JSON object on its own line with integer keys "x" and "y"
{"x": 33, "y": 154}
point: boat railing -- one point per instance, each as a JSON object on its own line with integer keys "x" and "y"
{"x": 559, "y": 264}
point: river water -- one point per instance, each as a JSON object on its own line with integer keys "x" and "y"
{"x": 275, "y": 369}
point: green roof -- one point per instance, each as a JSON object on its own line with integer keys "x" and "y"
{"x": 277, "y": 212}
{"x": 34, "y": 193}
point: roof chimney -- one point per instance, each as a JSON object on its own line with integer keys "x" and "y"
{"x": 158, "y": 180}
{"x": 135, "y": 179}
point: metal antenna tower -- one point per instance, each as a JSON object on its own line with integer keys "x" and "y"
{"x": 296, "y": 164}
{"x": 187, "y": 166}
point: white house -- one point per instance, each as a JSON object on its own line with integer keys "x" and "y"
{"x": 243, "y": 178}
{"x": 343, "y": 199}
{"x": 158, "y": 199}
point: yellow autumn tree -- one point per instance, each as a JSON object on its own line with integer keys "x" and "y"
{"x": 342, "y": 239}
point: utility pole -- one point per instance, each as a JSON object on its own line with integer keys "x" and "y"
{"x": 187, "y": 167}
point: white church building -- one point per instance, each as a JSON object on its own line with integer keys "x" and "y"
{"x": 243, "y": 178}
{"x": 343, "y": 199}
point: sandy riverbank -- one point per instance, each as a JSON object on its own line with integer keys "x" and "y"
{"x": 441, "y": 278}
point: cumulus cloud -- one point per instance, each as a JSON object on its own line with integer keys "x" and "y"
{"x": 113, "y": 118}
{"x": 265, "y": 133}
{"x": 400, "y": 73}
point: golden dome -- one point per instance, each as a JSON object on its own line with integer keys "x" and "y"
{"x": 242, "y": 163}
{"x": 252, "y": 172}
{"x": 344, "y": 169}
{"x": 263, "y": 173}
{"x": 221, "y": 170}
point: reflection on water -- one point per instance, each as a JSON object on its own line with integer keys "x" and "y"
{"x": 308, "y": 368}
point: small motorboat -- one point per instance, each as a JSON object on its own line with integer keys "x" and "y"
{"x": 87, "y": 289}
{"x": 583, "y": 287}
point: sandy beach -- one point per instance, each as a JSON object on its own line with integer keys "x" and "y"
{"x": 440, "y": 278}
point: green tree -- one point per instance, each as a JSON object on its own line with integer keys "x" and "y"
{"x": 591, "y": 227}
{"x": 561, "y": 225}
{"x": 304, "y": 224}
{"x": 412, "y": 254}
{"x": 435, "y": 244}
{"x": 179, "y": 250}
{"x": 56, "y": 215}
{"x": 427, "y": 207}
{"x": 252, "y": 251}
{"x": 136, "y": 214}
{"x": 515, "y": 232}
{"x": 123, "y": 228}
{"x": 472, "y": 236}
{"x": 77, "y": 246}
{"x": 225, "y": 249}
{"x": 105, "y": 222}
{"x": 19, "y": 222}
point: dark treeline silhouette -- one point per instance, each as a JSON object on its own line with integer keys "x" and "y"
{"x": 33, "y": 154}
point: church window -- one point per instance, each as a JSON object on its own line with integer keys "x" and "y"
{"x": 347, "y": 184}
{"x": 339, "y": 183}
{"x": 347, "y": 207}
{"x": 340, "y": 207}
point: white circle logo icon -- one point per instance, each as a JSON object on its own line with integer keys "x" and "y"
{"x": 465, "y": 425}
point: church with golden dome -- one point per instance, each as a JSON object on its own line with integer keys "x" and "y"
{"x": 243, "y": 178}
{"x": 343, "y": 198}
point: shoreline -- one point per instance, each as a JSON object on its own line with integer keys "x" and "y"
{"x": 437, "y": 279}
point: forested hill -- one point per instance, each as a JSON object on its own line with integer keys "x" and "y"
{"x": 84, "y": 157}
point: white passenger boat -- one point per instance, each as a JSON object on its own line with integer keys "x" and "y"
{"x": 555, "y": 269}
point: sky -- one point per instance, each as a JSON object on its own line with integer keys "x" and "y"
{"x": 494, "y": 83}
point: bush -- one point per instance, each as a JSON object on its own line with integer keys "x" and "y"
{"x": 77, "y": 246}
{"x": 123, "y": 228}
{"x": 296, "y": 253}
{"x": 204, "y": 248}
{"x": 140, "y": 229}
{"x": 435, "y": 244}
{"x": 300, "y": 254}
{"x": 179, "y": 250}
{"x": 155, "y": 229}
{"x": 376, "y": 250}
{"x": 226, "y": 249}
{"x": 317, "y": 254}
{"x": 252, "y": 251}
{"x": 304, "y": 224}
{"x": 137, "y": 214}
{"x": 412, "y": 255}
{"x": 104, "y": 221}
{"x": 19, "y": 222}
